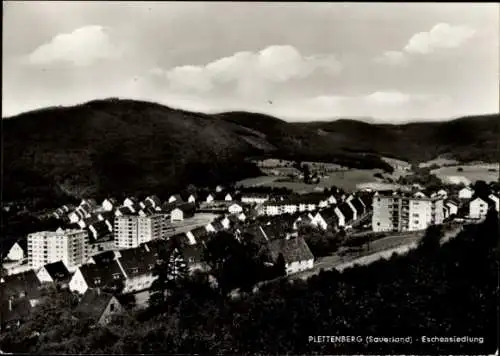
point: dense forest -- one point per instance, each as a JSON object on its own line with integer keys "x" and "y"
{"x": 435, "y": 290}
{"x": 130, "y": 147}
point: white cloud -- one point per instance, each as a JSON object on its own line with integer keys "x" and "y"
{"x": 441, "y": 36}
{"x": 249, "y": 71}
{"x": 80, "y": 47}
{"x": 388, "y": 98}
{"x": 392, "y": 58}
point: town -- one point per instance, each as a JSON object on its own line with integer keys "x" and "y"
{"x": 107, "y": 251}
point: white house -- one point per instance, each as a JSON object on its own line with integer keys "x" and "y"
{"x": 442, "y": 193}
{"x": 129, "y": 202}
{"x": 53, "y": 273}
{"x": 16, "y": 253}
{"x": 295, "y": 253}
{"x": 340, "y": 216}
{"x": 465, "y": 193}
{"x": 228, "y": 197}
{"x": 496, "y": 200}
{"x": 176, "y": 215}
{"x": 191, "y": 199}
{"x": 137, "y": 266}
{"x": 209, "y": 198}
{"x": 108, "y": 205}
{"x": 452, "y": 208}
{"x": 478, "y": 208}
{"x": 242, "y": 216}
{"x": 174, "y": 198}
{"x": 226, "y": 223}
{"x": 354, "y": 212}
{"x": 254, "y": 198}
{"x": 235, "y": 208}
{"x": 96, "y": 276}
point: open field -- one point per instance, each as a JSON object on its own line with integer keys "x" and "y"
{"x": 256, "y": 181}
{"x": 189, "y": 224}
{"x": 442, "y": 162}
{"x": 470, "y": 173}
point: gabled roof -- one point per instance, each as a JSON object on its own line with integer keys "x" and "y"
{"x": 329, "y": 216}
{"x": 101, "y": 228}
{"x": 177, "y": 197}
{"x": 19, "y": 309}
{"x": 199, "y": 232}
{"x": 278, "y": 228}
{"x": 358, "y": 205}
{"x": 102, "y": 275}
{"x": 346, "y": 211}
{"x": 93, "y": 304}
{"x": 217, "y": 224}
{"x": 58, "y": 271}
{"x": 155, "y": 199}
{"x": 293, "y": 250}
{"x": 257, "y": 233}
{"x": 187, "y": 208}
{"x": 16, "y": 285}
{"x": 104, "y": 257}
{"x": 137, "y": 261}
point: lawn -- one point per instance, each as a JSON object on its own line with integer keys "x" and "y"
{"x": 470, "y": 173}
{"x": 256, "y": 181}
{"x": 439, "y": 161}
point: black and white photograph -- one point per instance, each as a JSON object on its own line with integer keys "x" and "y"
{"x": 250, "y": 178}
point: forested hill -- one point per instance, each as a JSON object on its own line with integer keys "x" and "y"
{"x": 120, "y": 147}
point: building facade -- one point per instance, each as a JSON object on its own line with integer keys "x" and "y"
{"x": 68, "y": 246}
{"x": 398, "y": 212}
{"x": 132, "y": 230}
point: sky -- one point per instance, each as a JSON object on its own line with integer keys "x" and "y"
{"x": 389, "y": 62}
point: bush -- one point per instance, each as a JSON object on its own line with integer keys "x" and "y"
{"x": 460, "y": 169}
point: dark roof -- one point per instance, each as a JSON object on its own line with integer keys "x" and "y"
{"x": 346, "y": 210}
{"x": 358, "y": 205}
{"x": 367, "y": 200}
{"x": 101, "y": 228}
{"x": 278, "y": 228}
{"x": 93, "y": 304}
{"x": 217, "y": 224}
{"x": 124, "y": 210}
{"x": 199, "y": 232}
{"x": 104, "y": 257}
{"x": 17, "y": 285}
{"x": 19, "y": 310}
{"x": 187, "y": 208}
{"x": 177, "y": 197}
{"x": 102, "y": 275}
{"x": 58, "y": 271}
{"x": 293, "y": 250}
{"x": 168, "y": 207}
{"x": 137, "y": 261}
{"x": 155, "y": 199}
{"x": 107, "y": 215}
{"x": 257, "y": 233}
{"x": 329, "y": 216}
{"x": 192, "y": 253}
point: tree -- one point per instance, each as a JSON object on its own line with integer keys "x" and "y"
{"x": 431, "y": 240}
{"x": 161, "y": 283}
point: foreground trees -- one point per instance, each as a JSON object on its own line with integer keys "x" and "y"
{"x": 454, "y": 293}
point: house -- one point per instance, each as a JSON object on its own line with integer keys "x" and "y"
{"x": 295, "y": 252}
{"x": 104, "y": 258}
{"x": 478, "y": 208}
{"x": 130, "y": 202}
{"x": 344, "y": 214}
{"x": 56, "y": 273}
{"x": 235, "y": 208}
{"x": 358, "y": 206}
{"x": 21, "y": 285}
{"x": 452, "y": 207}
{"x": 137, "y": 265}
{"x": 242, "y": 217}
{"x": 183, "y": 211}
{"x": 304, "y": 219}
{"x": 99, "y": 229}
{"x": 193, "y": 257}
{"x": 219, "y": 188}
{"x": 196, "y": 235}
{"x": 325, "y": 219}
{"x": 106, "y": 276}
{"x": 256, "y": 234}
{"x": 109, "y": 204}
{"x": 86, "y": 222}
{"x": 98, "y": 306}
{"x": 279, "y": 228}
{"x": 496, "y": 201}
{"x": 465, "y": 193}
{"x": 14, "y": 312}
{"x": 153, "y": 201}
{"x": 18, "y": 251}
{"x": 367, "y": 200}
{"x": 176, "y": 198}
{"x": 254, "y": 198}
{"x": 209, "y": 198}
{"x": 192, "y": 198}
{"x": 353, "y": 209}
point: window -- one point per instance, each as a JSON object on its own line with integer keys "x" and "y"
{"x": 415, "y": 215}
{"x": 112, "y": 307}
{"x": 415, "y": 222}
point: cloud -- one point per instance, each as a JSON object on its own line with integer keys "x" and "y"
{"x": 441, "y": 36}
{"x": 388, "y": 98}
{"x": 81, "y": 47}
{"x": 251, "y": 72}
{"x": 392, "y": 58}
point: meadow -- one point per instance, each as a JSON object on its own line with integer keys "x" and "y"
{"x": 469, "y": 173}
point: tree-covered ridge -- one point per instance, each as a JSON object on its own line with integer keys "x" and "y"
{"x": 448, "y": 290}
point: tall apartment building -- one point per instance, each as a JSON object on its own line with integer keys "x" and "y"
{"x": 68, "y": 246}
{"x": 132, "y": 230}
{"x": 402, "y": 212}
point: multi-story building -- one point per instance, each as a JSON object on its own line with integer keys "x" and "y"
{"x": 68, "y": 246}
{"x": 401, "y": 212}
{"x": 132, "y": 230}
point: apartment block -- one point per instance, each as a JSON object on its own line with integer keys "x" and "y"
{"x": 401, "y": 212}
{"x": 68, "y": 246}
{"x": 132, "y": 230}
